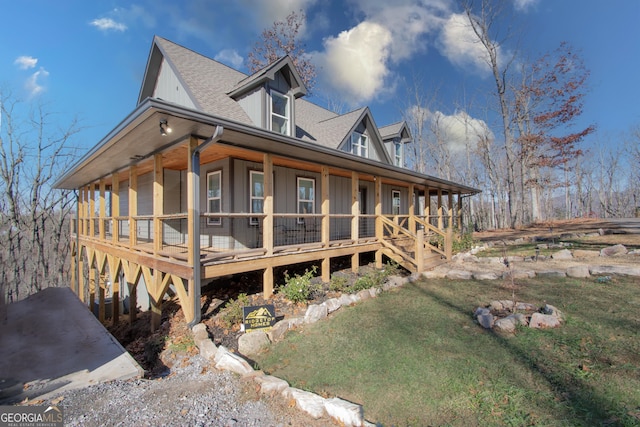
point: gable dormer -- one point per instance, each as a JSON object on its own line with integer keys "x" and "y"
{"x": 268, "y": 96}
{"x": 395, "y": 138}
{"x": 363, "y": 138}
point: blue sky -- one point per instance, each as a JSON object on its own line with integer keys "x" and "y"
{"x": 87, "y": 58}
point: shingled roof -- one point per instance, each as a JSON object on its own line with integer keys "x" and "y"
{"x": 210, "y": 86}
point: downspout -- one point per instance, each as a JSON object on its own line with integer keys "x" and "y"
{"x": 195, "y": 229}
{"x": 78, "y": 257}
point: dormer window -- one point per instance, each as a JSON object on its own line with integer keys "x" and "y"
{"x": 280, "y": 113}
{"x": 397, "y": 153}
{"x": 359, "y": 144}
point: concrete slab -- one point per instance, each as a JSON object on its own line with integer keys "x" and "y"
{"x": 51, "y": 342}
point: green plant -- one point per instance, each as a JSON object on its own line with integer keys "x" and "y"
{"x": 338, "y": 283}
{"x": 464, "y": 242}
{"x": 299, "y": 287}
{"x": 232, "y": 312}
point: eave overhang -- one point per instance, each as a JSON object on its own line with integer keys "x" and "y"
{"x": 137, "y": 138}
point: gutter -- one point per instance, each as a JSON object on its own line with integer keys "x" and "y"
{"x": 195, "y": 229}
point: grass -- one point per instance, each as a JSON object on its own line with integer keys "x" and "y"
{"x": 414, "y": 356}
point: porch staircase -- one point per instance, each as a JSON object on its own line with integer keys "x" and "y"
{"x": 413, "y": 251}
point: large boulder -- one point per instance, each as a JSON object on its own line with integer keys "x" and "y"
{"x": 456, "y": 274}
{"x": 347, "y": 413}
{"x": 562, "y": 255}
{"x": 270, "y": 385}
{"x": 510, "y": 323}
{"x": 486, "y": 320}
{"x": 613, "y": 250}
{"x": 227, "y": 361}
{"x": 315, "y": 312}
{"x": 543, "y": 321}
{"x": 578, "y": 271}
{"x": 486, "y": 275}
{"x": 625, "y": 270}
{"x": 251, "y": 343}
{"x": 310, "y": 403}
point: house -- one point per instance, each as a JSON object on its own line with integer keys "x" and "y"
{"x": 216, "y": 173}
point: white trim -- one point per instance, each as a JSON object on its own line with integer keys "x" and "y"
{"x": 252, "y": 197}
{"x": 286, "y": 117}
{"x": 214, "y": 221}
{"x": 360, "y": 144}
{"x": 311, "y": 200}
{"x": 396, "y": 195}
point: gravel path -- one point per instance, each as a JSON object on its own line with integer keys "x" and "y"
{"x": 194, "y": 394}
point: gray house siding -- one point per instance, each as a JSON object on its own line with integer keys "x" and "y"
{"x": 253, "y": 104}
{"x": 169, "y": 88}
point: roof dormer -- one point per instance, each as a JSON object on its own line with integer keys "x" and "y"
{"x": 268, "y": 96}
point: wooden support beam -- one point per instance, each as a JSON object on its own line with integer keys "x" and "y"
{"x": 449, "y": 209}
{"x": 102, "y": 284}
{"x": 427, "y": 206}
{"x": 355, "y": 218}
{"x": 191, "y": 203}
{"x": 73, "y": 268}
{"x": 133, "y": 205}
{"x": 115, "y": 207}
{"x": 81, "y": 276}
{"x": 158, "y": 203}
{"x": 326, "y": 222}
{"x": 378, "y": 212}
{"x": 459, "y": 213}
{"x": 102, "y": 209}
{"x": 267, "y": 232}
{"x": 412, "y": 208}
{"x": 156, "y": 300}
{"x": 93, "y": 272}
{"x": 92, "y": 209}
{"x": 81, "y": 211}
{"x": 440, "y": 211}
{"x": 420, "y": 251}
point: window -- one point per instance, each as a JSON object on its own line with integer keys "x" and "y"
{"x": 280, "y": 113}
{"x": 214, "y": 196}
{"x": 306, "y": 197}
{"x": 359, "y": 144}
{"x": 397, "y": 151}
{"x": 256, "y": 195}
{"x": 395, "y": 197}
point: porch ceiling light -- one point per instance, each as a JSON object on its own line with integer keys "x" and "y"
{"x": 164, "y": 128}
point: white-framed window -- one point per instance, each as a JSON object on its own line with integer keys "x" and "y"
{"x": 398, "y": 148}
{"x": 359, "y": 144}
{"x": 256, "y": 195}
{"x": 214, "y": 196}
{"x": 280, "y": 113}
{"x": 395, "y": 202}
{"x": 306, "y": 197}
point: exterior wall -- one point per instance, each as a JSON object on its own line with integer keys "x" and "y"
{"x": 169, "y": 87}
{"x": 387, "y": 201}
{"x": 253, "y": 103}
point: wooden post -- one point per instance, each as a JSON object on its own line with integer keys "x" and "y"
{"x": 133, "y": 291}
{"x": 412, "y": 208}
{"x": 115, "y": 207}
{"x": 448, "y": 243}
{"x": 449, "y": 209}
{"x": 92, "y": 210}
{"x": 92, "y": 284}
{"x": 133, "y": 205}
{"x": 102, "y": 284}
{"x": 267, "y": 224}
{"x": 81, "y": 277}
{"x": 158, "y": 203}
{"x": 115, "y": 297}
{"x": 81, "y": 210}
{"x": 191, "y": 218}
{"x": 326, "y": 222}
{"x": 459, "y": 213}
{"x": 102, "y": 209}
{"x": 427, "y": 206}
{"x": 355, "y": 219}
{"x": 440, "y": 212}
{"x": 378, "y": 211}
{"x": 156, "y": 300}
{"x": 420, "y": 251}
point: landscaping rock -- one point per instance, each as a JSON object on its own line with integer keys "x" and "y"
{"x": 519, "y": 274}
{"x": 200, "y": 333}
{"x": 310, "y": 403}
{"x": 481, "y": 310}
{"x": 486, "y": 275}
{"x": 251, "y": 343}
{"x": 486, "y": 320}
{"x": 315, "y": 312}
{"x": 438, "y": 273}
{"x": 227, "y": 361}
{"x": 278, "y": 330}
{"x": 207, "y": 348}
{"x": 364, "y": 294}
{"x": 634, "y": 252}
{"x": 525, "y": 306}
{"x": 510, "y": 323}
{"x": 613, "y": 250}
{"x": 543, "y": 321}
{"x": 552, "y": 273}
{"x": 332, "y": 305}
{"x": 490, "y": 260}
{"x": 562, "y": 255}
{"x": 552, "y": 311}
{"x": 459, "y": 275}
{"x": 615, "y": 269}
{"x": 578, "y": 271}
{"x": 347, "y": 413}
{"x": 271, "y": 385}
{"x": 501, "y": 305}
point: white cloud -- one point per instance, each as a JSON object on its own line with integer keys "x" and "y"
{"x": 461, "y": 46}
{"x": 34, "y": 83}
{"x": 26, "y": 62}
{"x": 524, "y": 5}
{"x": 106, "y": 24}
{"x": 230, "y": 57}
{"x": 455, "y": 130}
{"x": 355, "y": 61}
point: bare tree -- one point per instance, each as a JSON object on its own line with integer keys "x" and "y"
{"x": 283, "y": 38}
{"x": 34, "y": 216}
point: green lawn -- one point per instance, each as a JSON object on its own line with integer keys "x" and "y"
{"x": 415, "y": 357}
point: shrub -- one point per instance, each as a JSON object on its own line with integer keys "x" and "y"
{"x": 299, "y": 287}
{"x": 232, "y": 312}
{"x": 463, "y": 243}
{"x": 338, "y": 283}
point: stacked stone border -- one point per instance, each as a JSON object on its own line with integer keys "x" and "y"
{"x": 344, "y": 412}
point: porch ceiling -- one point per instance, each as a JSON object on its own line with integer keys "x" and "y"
{"x": 137, "y": 138}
